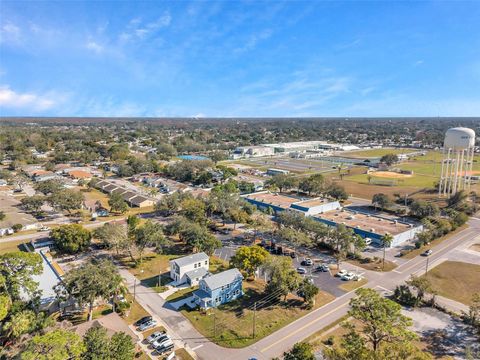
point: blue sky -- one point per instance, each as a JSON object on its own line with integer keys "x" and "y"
{"x": 232, "y": 58}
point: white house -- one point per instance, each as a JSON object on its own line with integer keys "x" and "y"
{"x": 189, "y": 269}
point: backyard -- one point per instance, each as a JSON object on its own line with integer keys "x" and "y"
{"x": 234, "y": 321}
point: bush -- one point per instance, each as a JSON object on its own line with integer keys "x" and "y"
{"x": 418, "y": 244}
{"x": 366, "y": 260}
{"x": 17, "y": 227}
{"x": 329, "y": 341}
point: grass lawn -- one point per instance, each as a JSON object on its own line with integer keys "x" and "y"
{"x": 182, "y": 354}
{"x": 374, "y": 266}
{"x": 234, "y": 321}
{"x": 374, "y": 153}
{"x": 182, "y": 294}
{"x": 135, "y": 312}
{"x": 11, "y": 246}
{"x": 152, "y": 265}
{"x": 352, "y": 285}
{"x": 415, "y": 252}
{"x": 456, "y": 280}
{"x": 217, "y": 265}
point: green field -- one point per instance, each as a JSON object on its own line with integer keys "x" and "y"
{"x": 10, "y": 246}
{"x": 375, "y": 153}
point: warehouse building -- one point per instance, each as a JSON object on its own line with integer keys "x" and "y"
{"x": 373, "y": 226}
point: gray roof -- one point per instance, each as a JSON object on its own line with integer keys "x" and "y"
{"x": 221, "y": 279}
{"x": 197, "y": 273}
{"x": 190, "y": 259}
{"x": 138, "y": 199}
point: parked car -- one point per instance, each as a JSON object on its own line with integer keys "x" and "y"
{"x": 143, "y": 320}
{"x": 301, "y": 270}
{"x": 428, "y": 252}
{"x": 148, "y": 325}
{"x": 322, "y": 267}
{"x": 155, "y": 336}
{"x": 310, "y": 280}
{"x": 165, "y": 348}
{"x": 162, "y": 339}
{"x": 348, "y": 276}
{"x": 341, "y": 273}
{"x": 160, "y": 342}
{"x": 307, "y": 262}
{"x": 45, "y": 228}
{"x": 368, "y": 241}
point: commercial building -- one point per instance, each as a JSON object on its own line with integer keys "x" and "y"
{"x": 252, "y": 151}
{"x": 373, "y": 226}
{"x": 280, "y": 202}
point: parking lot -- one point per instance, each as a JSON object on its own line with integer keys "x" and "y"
{"x": 323, "y": 280}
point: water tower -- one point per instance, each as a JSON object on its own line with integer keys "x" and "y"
{"x": 457, "y": 162}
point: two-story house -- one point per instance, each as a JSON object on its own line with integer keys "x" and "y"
{"x": 219, "y": 289}
{"x": 189, "y": 269}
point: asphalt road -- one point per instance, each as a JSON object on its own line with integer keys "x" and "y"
{"x": 283, "y": 339}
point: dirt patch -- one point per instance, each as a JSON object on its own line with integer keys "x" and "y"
{"x": 475, "y": 247}
{"x": 390, "y": 175}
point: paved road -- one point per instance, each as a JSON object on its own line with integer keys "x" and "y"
{"x": 283, "y": 339}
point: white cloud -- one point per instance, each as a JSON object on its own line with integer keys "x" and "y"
{"x": 94, "y": 46}
{"x": 253, "y": 41}
{"x": 28, "y": 101}
{"x": 9, "y": 32}
{"x": 138, "y": 29}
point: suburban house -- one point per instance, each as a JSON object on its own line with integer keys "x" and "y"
{"x": 219, "y": 289}
{"x": 189, "y": 269}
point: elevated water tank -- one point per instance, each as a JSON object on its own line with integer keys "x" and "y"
{"x": 459, "y": 138}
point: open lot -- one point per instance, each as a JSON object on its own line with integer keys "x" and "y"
{"x": 290, "y": 164}
{"x": 456, "y": 280}
{"x": 234, "y": 321}
{"x": 375, "y": 153}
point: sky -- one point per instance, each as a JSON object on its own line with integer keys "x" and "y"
{"x": 239, "y": 58}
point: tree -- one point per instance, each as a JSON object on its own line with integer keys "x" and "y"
{"x": 283, "y": 181}
{"x": 150, "y": 234}
{"x": 16, "y": 272}
{"x": 66, "y": 200}
{"x": 308, "y": 291}
{"x": 237, "y": 215}
{"x": 381, "y": 200}
{"x": 283, "y": 277}
{"x": 49, "y": 186}
{"x": 249, "y": 259}
{"x": 198, "y": 238}
{"x": 389, "y": 159}
{"x": 32, "y": 204}
{"x": 473, "y": 316}
{"x": 22, "y": 322}
{"x": 381, "y": 318}
{"x": 314, "y": 184}
{"x": 71, "y": 239}
{"x": 300, "y": 351}
{"x": 2, "y": 215}
{"x": 421, "y": 285}
{"x": 194, "y": 210}
{"x": 117, "y": 203}
{"x": 113, "y": 235}
{"x": 122, "y": 347}
{"x": 337, "y": 192}
{"x": 54, "y": 345}
{"x": 92, "y": 280}
{"x": 422, "y": 209}
{"x": 387, "y": 240}
{"x": 97, "y": 344}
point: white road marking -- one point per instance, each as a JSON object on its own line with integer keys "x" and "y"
{"x": 197, "y": 347}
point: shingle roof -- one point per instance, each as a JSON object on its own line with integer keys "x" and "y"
{"x": 221, "y": 279}
{"x": 197, "y": 273}
{"x": 187, "y": 260}
{"x": 138, "y": 199}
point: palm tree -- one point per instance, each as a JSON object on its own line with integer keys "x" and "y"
{"x": 387, "y": 240}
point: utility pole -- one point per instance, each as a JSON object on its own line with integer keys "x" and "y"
{"x": 254, "y": 317}
{"x": 134, "y": 288}
{"x": 214, "y": 325}
{"x": 426, "y": 268}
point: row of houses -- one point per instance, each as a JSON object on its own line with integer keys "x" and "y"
{"x": 133, "y": 198}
